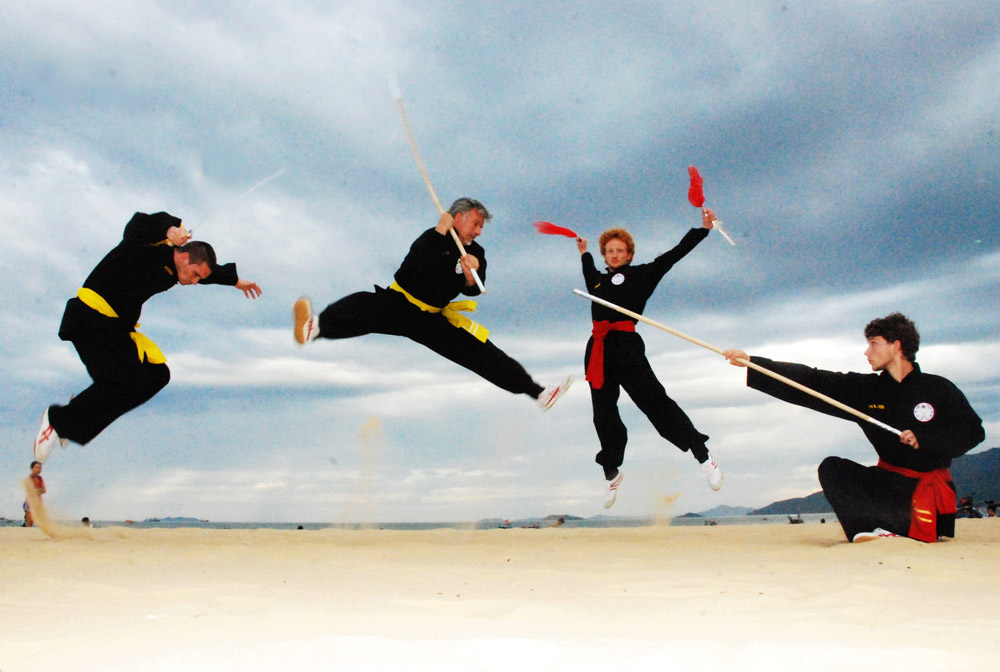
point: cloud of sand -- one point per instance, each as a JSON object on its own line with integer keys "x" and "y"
{"x": 45, "y": 522}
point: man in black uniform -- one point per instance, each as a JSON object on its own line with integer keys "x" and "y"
{"x": 910, "y": 492}
{"x": 418, "y": 305}
{"x": 616, "y": 354}
{"x": 101, "y": 321}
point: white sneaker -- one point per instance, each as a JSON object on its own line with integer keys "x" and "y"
{"x": 551, "y": 393}
{"x": 612, "y": 490}
{"x": 47, "y": 439}
{"x": 306, "y": 326}
{"x": 712, "y": 471}
{"x": 877, "y": 533}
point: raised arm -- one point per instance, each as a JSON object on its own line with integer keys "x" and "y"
{"x": 159, "y": 227}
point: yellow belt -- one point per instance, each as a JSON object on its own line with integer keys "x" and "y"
{"x": 450, "y": 312}
{"x": 143, "y": 344}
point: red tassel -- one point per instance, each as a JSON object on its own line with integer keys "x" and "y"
{"x": 551, "y": 229}
{"x": 696, "y": 195}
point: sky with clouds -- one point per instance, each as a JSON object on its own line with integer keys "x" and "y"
{"x": 850, "y": 147}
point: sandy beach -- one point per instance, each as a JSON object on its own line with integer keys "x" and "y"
{"x": 767, "y": 597}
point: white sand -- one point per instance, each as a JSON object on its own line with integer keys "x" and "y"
{"x": 761, "y": 597}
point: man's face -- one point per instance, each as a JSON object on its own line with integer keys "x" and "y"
{"x": 188, "y": 273}
{"x": 616, "y": 253}
{"x": 36, "y": 469}
{"x": 469, "y": 225}
{"x": 881, "y": 353}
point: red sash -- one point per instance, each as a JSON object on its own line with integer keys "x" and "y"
{"x": 932, "y": 496}
{"x": 595, "y": 367}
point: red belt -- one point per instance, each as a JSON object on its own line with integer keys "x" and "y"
{"x": 595, "y": 367}
{"x": 932, "y": 496}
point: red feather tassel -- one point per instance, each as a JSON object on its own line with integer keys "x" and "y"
{"x": 696, "y": 194}
{"x": 552, "y": 230}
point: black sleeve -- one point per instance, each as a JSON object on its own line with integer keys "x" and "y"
{"x": 223, "y": 274}
{"x": 473, "y": 289}
{"x": 145, "y": 229}
{"x": 665, "y": 261}
{"x": 590, "y": 272}
{"x": 843, "y": 387}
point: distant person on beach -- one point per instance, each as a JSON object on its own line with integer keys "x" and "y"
{"x": 616, "y": 355}
{"x": 910, "y": 492}
{"x": 85, "y": 521}
{"x": 39, "y": 484}
{"x": 418, "y": 305}
{"x": 101, "y": 321}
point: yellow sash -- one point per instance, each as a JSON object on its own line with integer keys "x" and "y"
{"x": 450, "y": 312}
{"x": 143, "y": 344}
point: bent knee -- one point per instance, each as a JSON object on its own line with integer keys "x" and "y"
{"x": 151, "y": 379}
{"x": 831, "y": 466}
{"x": 160, "y": 376}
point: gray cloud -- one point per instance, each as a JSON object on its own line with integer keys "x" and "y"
{"x": 851, "y": 149}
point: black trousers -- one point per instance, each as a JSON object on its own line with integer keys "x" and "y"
{"x": 387, "y": 311}
{"x": 626, "y": 366}
{"x": 121, "y": 383}
{"x": 868, "y": 497}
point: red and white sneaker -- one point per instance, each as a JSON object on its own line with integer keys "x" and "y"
{"x": 47, "y": 439}
{"x": 877, "y": 533}
{"x": 612, "y": 490}
{"x": 551, "y": 393}
{"x": 306, "y": 326}
{"x": 712, "y": 471}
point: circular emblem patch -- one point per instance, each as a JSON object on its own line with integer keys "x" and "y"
{"x": 923, "y": 411}
{"x": 617, "y": 279}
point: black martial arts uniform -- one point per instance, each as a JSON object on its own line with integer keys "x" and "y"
{"x": 625, "y": 363}
{"x": 432, "y": 275}
{"x": 930, "y": 406}
{"x": 139, "y": 267}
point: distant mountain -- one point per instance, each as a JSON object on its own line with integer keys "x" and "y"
{"x": 724, "y": 510}
{"x": 978, "y": 476}
{"x": 814, "y": 503}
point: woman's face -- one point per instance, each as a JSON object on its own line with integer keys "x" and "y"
{"x": 616, "y": 253}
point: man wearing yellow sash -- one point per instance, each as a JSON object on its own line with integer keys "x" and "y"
{"x": 102, "y": 321}
{"x": 418, "y": 305}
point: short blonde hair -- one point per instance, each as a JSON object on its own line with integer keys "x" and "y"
{"x": 620, "y": 234}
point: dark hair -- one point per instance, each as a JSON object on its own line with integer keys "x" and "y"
{"x": 896, "y": 327}
{"x": 465, "y": 204}
{"x": 34, "y": 463}
{"x": 199, "y": 252}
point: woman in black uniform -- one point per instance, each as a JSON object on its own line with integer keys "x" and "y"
{"x": 616, "y": 354}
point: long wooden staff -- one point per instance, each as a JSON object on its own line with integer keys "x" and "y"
{"x": 746, "y": 362}
{"x": 397, "y": 97}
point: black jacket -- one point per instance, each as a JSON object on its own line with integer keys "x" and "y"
{"x": 431, "y": 271}
{"x": 930, "y": 406}
{"x": 631, "y": 286}
{"x": 137, "y": 268}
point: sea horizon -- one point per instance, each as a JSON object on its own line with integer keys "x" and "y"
{"x": 551, "y": 520}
